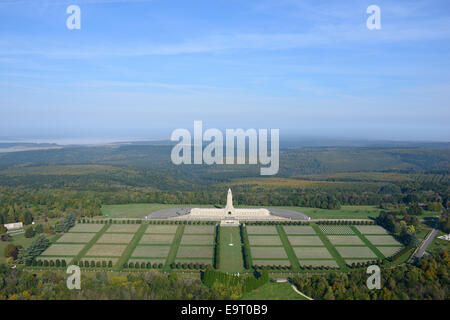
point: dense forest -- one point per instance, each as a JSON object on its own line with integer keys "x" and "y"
{"x": 50, "y": 285}
{"x": 427, "y": 279}
{"x": 74, "y": 182}
{"x": 50, "y": 183}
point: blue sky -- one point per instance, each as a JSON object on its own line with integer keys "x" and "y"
{"x": 140, "y": 69}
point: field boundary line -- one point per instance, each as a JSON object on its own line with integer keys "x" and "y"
{"x": 288, "y": 248}
{"x": 331, "y": 248}
{"x": 130, "y": 248}
{"x": 368, "y": 243}
{"x": 171, "y": 256}
{"x": 245, "y": 248}
{"x": 89, "y": 244}
{"x": 55, "y": 239}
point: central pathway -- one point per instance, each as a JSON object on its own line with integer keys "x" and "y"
{"x": 231, "y": 260}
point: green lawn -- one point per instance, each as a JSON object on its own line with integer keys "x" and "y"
{"x": 422, "y": 230}
{"x": 438, "y": 244}
{"x": 273, "y": 291}
{"x": 16, "y": 240}
{"x": 307, "y": 245}
{"x": 230, "y": 256}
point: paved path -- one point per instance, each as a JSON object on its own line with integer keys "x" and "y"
{"x": 430, "y": 237}
{"x": 300, "y": 293}
{"x": 343, "y": 219}
{"x": 168, "y": 213}
{"x": 290, "y": 214}
{"x": 180, "y": 212}
{"x": 423, "y": 247}
{"x": 283, "y": 280}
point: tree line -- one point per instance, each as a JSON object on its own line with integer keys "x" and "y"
{"x": 428, "y": 279}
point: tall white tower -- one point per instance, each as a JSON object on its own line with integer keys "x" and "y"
{"x": 229, "y": 207}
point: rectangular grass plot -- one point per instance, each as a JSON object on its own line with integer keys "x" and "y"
{"x": 197, "y": 239}
{"x": 309, "y": 253}
{"x": 156, "y": 239}
{"x": 380, "y": 240}
{"x": 305, "y": 241}
{"x": 195, "y": 252}
{"x": 344, "y": 230}
{"x": 261, "y": 230}
{"x": 271, "y": 262}
{"x": 151, "y": 252}
{"x": 345, "y": 240}
{"x": 76, "y": 237}
{"x": 209, "y": 229}
{"x": 268, "y": 252}
{"x": 153, "y": 228}
{"x": 389, "y": 251}
{"x": 319, "y": 263}
{"x": 299, "y": 230}
{"x": 371, "y": 230}
{"x": 131, "y": 228}
{"x": 106, "y": 250}
{"x": 116, "y": 238}
{"x": 63, "y": 250}
{"x": 83, "y": 227}
{"x": 356, "y": 252}
{"x": 264, "y": 240}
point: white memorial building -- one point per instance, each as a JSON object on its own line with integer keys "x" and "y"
{"x": 229, "y": 214}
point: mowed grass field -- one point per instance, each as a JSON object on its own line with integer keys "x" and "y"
{"x": 273, "y": 291}
{"x": 297, "y": 246}
{"x": 63, "y": 250}
{"x": 17, "y": 240}
{"x": 318, "y": 245}
{"x": 264, "y": 240}
{"x": 111, "y": 238}
{"x": 230, "y": 250}
{"x": 171, "y": 229}
{"x": 151, "y": 252}
{"x": 156, "y": 239}
{"x": 103, "y": 250}
{"x": 76, "y": 237}
{"x": 268, "y": 253}
{"x": 87, "y": 228}
{"x": 305, "y": 241}
{"x": 195, "y": 252}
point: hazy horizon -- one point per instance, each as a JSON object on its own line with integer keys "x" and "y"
{"x": 141, "y": 69}
{"x": 288, "y": 139}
